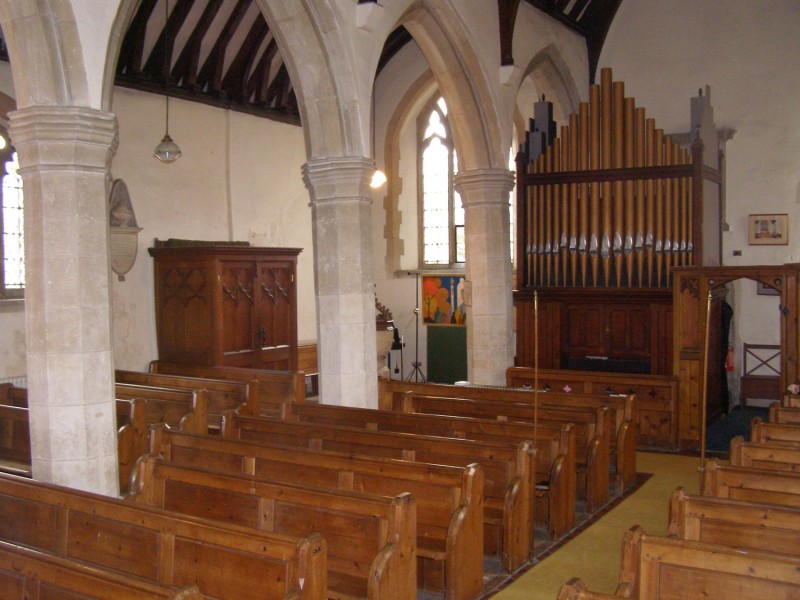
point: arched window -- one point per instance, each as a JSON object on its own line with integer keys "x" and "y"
{"x": 442, "y": 223}
{"x": 12, "y": 274}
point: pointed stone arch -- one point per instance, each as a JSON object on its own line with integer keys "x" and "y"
{"x": 472, "y": 108}
{"x": 553, "y": 78}
{"x": 46, "y": 67}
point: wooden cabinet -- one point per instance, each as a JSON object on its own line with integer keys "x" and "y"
{"x": 231, "y": 305}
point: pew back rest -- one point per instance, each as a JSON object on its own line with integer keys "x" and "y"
{"x": 661, "y": 567}
{"x": 774, "y": 433}
{"x": 438, "y": 489}
{"x": 775, "y": 457}
{"x": 552, "y": 441}
{"x": 783, "y": 414}
{"x": 734, "y": 523}
{"x": 362, "y": 530}
{"x": 24, "y": 572}
{"x": 223, "y": 394}
{"x": 752, "y": 485}
{"x": 154, "y": 545}
{"x": 179, "y": 408}
{"x": 273, "y": 387}
{"x": 502, "y": 463}
{"x": 13, "y": 395}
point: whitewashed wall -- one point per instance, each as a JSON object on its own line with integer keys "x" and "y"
{"x": 239, "y": 179}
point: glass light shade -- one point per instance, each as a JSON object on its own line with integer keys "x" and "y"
{"x": 167, "y": 151}
{"x": 378, "y": 179}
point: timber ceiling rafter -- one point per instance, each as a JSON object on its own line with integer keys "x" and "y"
{"x": 222, "y": 52}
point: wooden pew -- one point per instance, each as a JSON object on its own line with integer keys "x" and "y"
{"x": 371, "y": 539}
{"x": 272, "y": 388}
{"x": 592, "y": 428}
{"x": 774, "y": 457}
{"x": 734, "y": 523}
{"x": 774, "y": 433}
{"x": 223, "y": 394}
{"x": 13, "y": 395}
{"x": 15, "y": 441}
{"x": 181, "y": 409}
{"x": 26, "y": 574}
{"x": 507, "y": 468}
{"x": 449, "y": 500}
{"x": 790, "y": 400}
{"x": 555, "y": 447}
{"x": 659, "y": 568}
{"x": 783, "y": 414}
{"x": 657, "y": 396}
{"x": 623, "y": 444}
{"x": 226, "y": 562}
{"x": 752, "y": 485}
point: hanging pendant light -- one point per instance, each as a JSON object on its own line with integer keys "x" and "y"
{"x": 167, "y": 151}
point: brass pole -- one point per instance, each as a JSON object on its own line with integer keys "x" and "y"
{"x": 704, "y": 395}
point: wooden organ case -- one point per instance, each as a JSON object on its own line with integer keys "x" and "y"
{"x": 226, "y": 304}
{"x": 605, "y": 210}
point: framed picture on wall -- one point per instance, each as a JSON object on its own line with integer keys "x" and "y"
{"x": 768, "y": 229}
{"x": 765, "y": 290}
{"x": 443, "y": 300}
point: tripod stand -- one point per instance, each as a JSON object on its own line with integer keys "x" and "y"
{"x": 416, "y": 371}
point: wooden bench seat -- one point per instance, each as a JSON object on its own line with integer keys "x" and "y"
{"x": 774, "y": 433}
{"x": 622, "y": 408}
{"x": 449, "y": 499}
{"x": 655, "y": 567}
{"x": 271, "y": 388}
{"x": 223, "y": 394}
{"x": 15, "y": 440}
{"x": 656, "y": 408}
{"x": 734, "y": 523}
{"x": 555, "y": 447}
{"x": 12, "y": 395}
{"x": 592, "y": 428}
{"x": 783, "y": 414}
{"x": 371, "y": 539}
{"x": 180, "y": 409}
{"x": 29, "y": 575}
{"x": 774, "y": 457}
{"x": 752, "y": 485}
{"x": 507, "y": 469}
{"x": 224, "y": 561}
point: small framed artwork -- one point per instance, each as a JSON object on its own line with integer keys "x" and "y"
{"x": 443, "y": 300}
{"x": 765, "y": 290}
{"x": 768, "y": 229}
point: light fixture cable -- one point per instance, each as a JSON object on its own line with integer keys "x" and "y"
{"x": 167, "y": 151}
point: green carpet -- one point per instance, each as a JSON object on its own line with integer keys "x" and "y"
{"x": 594, "y": 554}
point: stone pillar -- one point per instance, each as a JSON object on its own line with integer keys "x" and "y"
{"x": 345, "y": 283}
{"x": 490, "y": 336}
{"x": 64, "y": 153}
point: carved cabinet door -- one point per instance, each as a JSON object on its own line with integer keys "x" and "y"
{"x": 275, "y": 315}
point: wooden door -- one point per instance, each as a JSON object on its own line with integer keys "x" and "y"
{"x": 275, "y": 315}
{"x": 237, "y": 324}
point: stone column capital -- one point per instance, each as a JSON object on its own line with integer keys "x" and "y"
{"x": 484, "y": 187}
{"x": 338, "y": 178}
{"x": 64, "y": 137}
